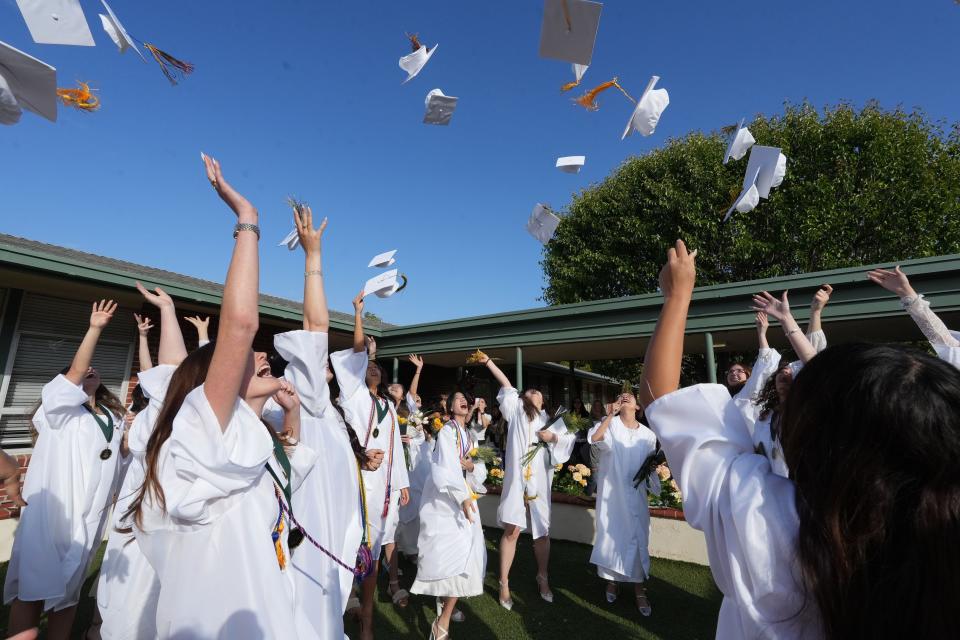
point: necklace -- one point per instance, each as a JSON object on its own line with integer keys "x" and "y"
{"x": 105, "y": 427}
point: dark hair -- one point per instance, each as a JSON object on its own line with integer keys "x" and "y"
{"x": 278, "y": 366}
{"x": 767, "y": 398}
{"x": 191, "y": 373}
{"x": 139, "y": 399}
{"x": 358, "y": 451}
{"x": 529, "y": 409}
{"x": 736, "y": 388}
{"x": 871, "y": 436}
{"x": 102, "y": 396}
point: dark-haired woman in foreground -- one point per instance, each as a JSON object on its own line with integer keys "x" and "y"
{"x": 860, "y": 542}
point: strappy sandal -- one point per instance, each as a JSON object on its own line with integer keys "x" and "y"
{"x": 542, "y": 580}
{"x": 437, "y": 632}
{"x": 612, "y": 592}
{"x": 400, "y": 597}
{"x": 456, "y": 616}
{"x": 643, "y": 604}
{"x": 508, "y": 603}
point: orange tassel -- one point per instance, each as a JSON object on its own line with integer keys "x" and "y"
{"x": 278, "y": 545}
{"x": 569, "y": 85}
{"x": 172, "y": 68}
{"x": 589, "y": 99}
{"x": 81, "y": 98}
{"x": 414, "y": 41}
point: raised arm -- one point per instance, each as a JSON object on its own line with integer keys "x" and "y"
{"x": 661, "y": 365}
{"x": 239, "y": 319}
{"x": 172, "y": 349}
{"x": 100, "y": 317}
{"x": 316, "y": 316}
{"x": 415, "y": 383}
{"x": 780, "y": 309}
{"x": 930, "y": 324}
{"x": 601, "y": 431}
{"x": 202, "y": 325}
{"x": 359, "y": 340}
{"x": 143, "y": 349}
{"x": 495, "y": 371}
{"x": 762, "y": 325}
{"x": 820, "y": 300}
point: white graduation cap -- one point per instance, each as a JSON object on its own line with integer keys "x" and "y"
{"x": 439, "y": 108}
{"x": 771, "y": 166}
{"x": 413, "y": 63}
{"x": 647, "y": 113}
{"x": 542, "y": 223}
{"x": 749, "y": 196}
{"x": 25, "y": 83}
{"x": 571, "y": 164}
{"x": 56, "y": 22}
{"x": 385, "y": 285}
{"x": 119, "y": 35}
{"x": 569, "y": 30}
{"x": 383, "y": 260}
{"x": 291, "y": 241}
{"x": 398, "y": 284}
{"x": 579, "y": 70}
{"x": 740, "y": 142}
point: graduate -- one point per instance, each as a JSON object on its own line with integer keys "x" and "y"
{"x": 371, "y": 414}
{"x": 860, "y": 540}
{"x": 526, "y": 489}
{"x": 213, "y": 514}
{"x": 621, "y": 547}
{"x": 453, "y": 557}
{"x": 68, "y": 489}
{"x": 128, "y": 587}
{"x": 328, "y": 505}
{"x": 419, "y": 448}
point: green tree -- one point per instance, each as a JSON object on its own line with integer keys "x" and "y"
{"x": 861, "y": 187}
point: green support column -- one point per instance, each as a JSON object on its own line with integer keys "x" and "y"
{"x": 396, "y": 370}
{"x": 711, "y": 362}
{"x": 519, "y": 368}
{"x": 571, "y": 384}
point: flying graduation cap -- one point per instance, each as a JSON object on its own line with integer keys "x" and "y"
{"x": 765, "y": 170}
{"x": 569, "y": 30}
{"x": 439, "y": 108}
{"x": 542, "y": 223}
{"x": 646, "y": 114}
{"x": 25, "y": 83}
{"x": 56, "y": 22}
{"x": 119, "y": 35}
{"x": 413, "y": 63}
{"x": 740, "y": 142}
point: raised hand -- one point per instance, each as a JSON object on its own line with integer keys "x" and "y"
{"x": 821, "y": 297}
{"x": 244, "y": 211}
{"x": 416, "y": 360}
{"x": 895, "y": 281}
{"x": 143, "y": 324}
{"x": 358, "y": 303}
{"x": 201, "y": 324}
{"x": 309, "y": 237}
{"x": 762, "y": 321}
{"x": 102, "y": 313}
{"x": 779, "y": 309}
{"x": 287, "y": 397}
{"x": 371, "y": 346}
{"x": 679, "y": 273}
{"x": 160, "y": 299}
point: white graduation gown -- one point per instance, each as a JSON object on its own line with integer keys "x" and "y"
{"x": 213, "y": 552}
{"x": 948, "y": 353}
{"x": 327, "y": 504}
{"x": 420, "y": 451}
{"x": 351, "y": 370}
{"x": 521, "y": 432}
{"x": 621, "y": 547}
{"x": 68, "y": 489}
{"x": 746, "y": 512}
{"x": 453, "y": 557}
{"x": 128, "y": 587}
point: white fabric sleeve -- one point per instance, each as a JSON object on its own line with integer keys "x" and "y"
{"x": 561, "y": 449}
{"x": 211, "y": 463}
{"x": 59, "y": 401}
{"x": 306, "y": 356}
{"x": 202, "y": 343}
{"x": 765, "y": 366}
{"x": 949, "y": 354}
{"x": 509, "y": 400}
{"x": 401, "y": 478}
{"x": 446, "y": 472}
{"x": 302, "y": 461}
{"x": 604, "y": 444}
{"x": 818, "y": 339}
{"x": 350, "y": 367}
{"x": 154, "y": 382}
{"x": 411, "y": 403}
{"x": 932, "y": 326}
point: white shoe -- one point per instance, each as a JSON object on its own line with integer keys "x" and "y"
{"x": 508, "y": 603}
{"x": 457, "y": 615}
{"x": 542, "y": 580}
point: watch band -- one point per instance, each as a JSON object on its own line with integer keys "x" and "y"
{"x": 245, "y": 226}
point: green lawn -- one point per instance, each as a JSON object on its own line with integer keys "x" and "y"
{"x": 684, "y": 598}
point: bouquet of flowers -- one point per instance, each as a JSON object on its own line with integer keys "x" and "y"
{"x": 417, "y": 420}
{"x": 485, "y": 455}
{"x": 573, "y": 423}
{"x": 653, "y": 461}
{"x": 669, "y": 495}
{"x": 571, "y": 480}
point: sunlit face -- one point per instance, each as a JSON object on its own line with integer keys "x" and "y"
{"x": 373, "y": 374}
{"x": 418, "y": 401}
{"x": 261, "y": 382}
{"x": 459, "y": 405}
{"x": 783, "y": 381}
{"x": 628, "y": 402}
{"x": 396, "y": 391}
{"x": 536, "y": 398}
{"x": 736, "y": 374}
{"x": 91, "y": 381}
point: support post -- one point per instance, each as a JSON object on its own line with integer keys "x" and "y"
{"x": 520, "y": 369}
{"x": 396, "y": 370}
{"x": 571, "y": 384}
{"x": 711, "y": 361}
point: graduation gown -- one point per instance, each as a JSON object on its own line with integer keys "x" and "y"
{"x": 383, "y": 485}
{"x": 128, "y": 587}
{"x": 521, "y": 432}
{"x": 420, "y": 451}
{"x": 212, "y": 549}
{"x": 621, "y": 547}
{"x": 747, "y": 513}
{"x": 68, "y": 489}
{"x": 327, "y": 504}
{"x": 453, "y": 555}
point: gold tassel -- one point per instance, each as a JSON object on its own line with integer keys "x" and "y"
{"x": 81, "y": 98}
{"x": 173, "y": 68}
{"x": 569, "y": 85}
{"x": 589, "y": 99}
{"x": 278, "y": 545}
{"x": 414, "y": 41}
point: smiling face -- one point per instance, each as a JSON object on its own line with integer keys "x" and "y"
{"x": 374, "y": 375}
{"x": 458, "y": 405}
{"x": 736, "y": 375}
{"x": 261, "y": 383}
{"x": 628, "y": 403}
{"x": 91, "y": 381}
{"x": 395, "y": 392}
{"x": 535, "y": 398}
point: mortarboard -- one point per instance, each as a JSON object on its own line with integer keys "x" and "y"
{"x": 383, "y": 260}
{"x": 647, "y": 113}
{"x": 569, "y": 30}
{"x": 291, "y": 241}
{"x": 26, "y": 83}
{"x": 771, "y": 167}
{"x": 413, "y": 63}
{"x": 740, "y": 142}
{"x": 571, "y": 164}
{"x": 56, "y": 22}
{"x": 542, "y": 223}
{"x": 119, "y": 35}
{"x": 386, "y": 284}
{"x": 439, "y": 108}
{"x": 749, "y": 196}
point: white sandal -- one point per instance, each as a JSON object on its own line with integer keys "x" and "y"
{"x": 508, "y": 603}
{"x": 542, "y": 580}
{"x": 456, "y": 616}
{"x": 437, "y": 632}
{"x": 644, "y": 609}
{"x": 400, "y": 597}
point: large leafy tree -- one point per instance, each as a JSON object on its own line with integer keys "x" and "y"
{"x": 861, "y": 187}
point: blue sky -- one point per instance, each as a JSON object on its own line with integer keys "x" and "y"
{"x": 305, "y": 98}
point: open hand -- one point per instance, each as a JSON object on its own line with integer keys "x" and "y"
{"x": 895, "y": 281}
{"x": 244, "y": 211}
{"x": 159, "y": 299}
{"x": 309, "y": 237}
{"x": 779, "y": 309}
{"x": 762, "y": 321}
{"x": 679, "y": 273}
{"x": 201, "y": 324}
{"x": 416, "y": 360}
{"x": 102, "y": 313}
{"x": 144, "y": 324}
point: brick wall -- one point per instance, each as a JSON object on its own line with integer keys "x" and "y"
{"x": 7, "y": 508}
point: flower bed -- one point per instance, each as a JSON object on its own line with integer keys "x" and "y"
{"x": 558, "y": 497}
